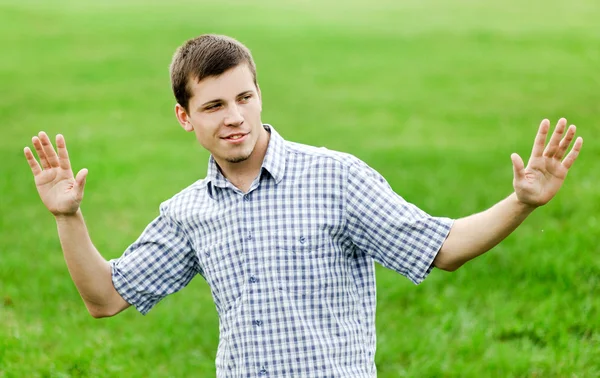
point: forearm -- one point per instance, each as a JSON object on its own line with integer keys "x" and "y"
{"x": 476, "y": 234}
{"x": 90, "y": 272}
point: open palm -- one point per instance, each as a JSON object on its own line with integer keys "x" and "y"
{"x": 546, "y": 170}
{"x": 59, "y": 190}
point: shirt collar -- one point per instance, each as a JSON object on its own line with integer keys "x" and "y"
{"x": 273, "y": 162}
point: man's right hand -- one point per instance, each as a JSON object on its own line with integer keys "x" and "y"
{"x": 59, "y": 190}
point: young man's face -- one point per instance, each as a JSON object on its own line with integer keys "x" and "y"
{"x": 224, "y": 112}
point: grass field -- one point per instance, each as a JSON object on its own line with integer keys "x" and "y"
{"x": 434, "y": 94}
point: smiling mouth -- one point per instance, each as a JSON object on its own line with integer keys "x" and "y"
{"x": 235, "y": 137}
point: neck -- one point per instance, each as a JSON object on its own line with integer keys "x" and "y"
{"x": 242, "y": 174}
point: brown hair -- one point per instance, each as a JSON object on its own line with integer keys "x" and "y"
{"x": 205, "y": 56}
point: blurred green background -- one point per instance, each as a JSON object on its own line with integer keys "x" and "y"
{"x": 434, "y": 94}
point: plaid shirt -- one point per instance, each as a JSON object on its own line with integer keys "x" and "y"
{"x": 290, "y": 263}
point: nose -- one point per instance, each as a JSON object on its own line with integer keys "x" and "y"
{"x": 234, "y": 117}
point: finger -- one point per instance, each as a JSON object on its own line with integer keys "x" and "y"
{"x": 518, "y": 166}
{"x": 565, "y": 142}
{"x": 570, "y": 159}
{"x": 63, "y": 155}
{"x": 37, "y": 144}
{"x": 80, "y": 178}
{"x": 35, "y": 166}
{"x": 49, "y": 150}
{"x": 540, "y": 139}
{"x": 552, "y": 146}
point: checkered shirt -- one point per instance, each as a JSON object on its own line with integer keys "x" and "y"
{"x": 290, "y": 263}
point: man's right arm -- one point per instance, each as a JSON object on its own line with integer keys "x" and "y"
{"x": 90, "y": 272}
{"x": 62, "y": 193}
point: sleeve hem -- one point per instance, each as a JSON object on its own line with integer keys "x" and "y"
{"x": 443, "y": 231}
{"x": 143, "y": 306}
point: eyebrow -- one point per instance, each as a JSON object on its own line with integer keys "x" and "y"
{"x": 218, "y": 100}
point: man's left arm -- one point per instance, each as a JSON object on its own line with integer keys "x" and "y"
{"x": 534, "y": 186}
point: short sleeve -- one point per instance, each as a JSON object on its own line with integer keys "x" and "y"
{"x": 395, "y": 233}
{"x": 161, "y": 262}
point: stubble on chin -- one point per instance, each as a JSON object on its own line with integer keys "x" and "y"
{"x": 237, "y": 159}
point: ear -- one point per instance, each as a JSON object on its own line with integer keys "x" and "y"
{"x": 259, "y": 96}
{"x": 183, "y": 118}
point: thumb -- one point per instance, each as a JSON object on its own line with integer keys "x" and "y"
{"x": 518, "y": 166}
{"x": 80, "y": 178}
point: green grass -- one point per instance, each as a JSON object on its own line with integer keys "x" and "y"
{"x": 433, "y": 94}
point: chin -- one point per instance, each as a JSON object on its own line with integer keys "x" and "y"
{"x": 237, "y": 159}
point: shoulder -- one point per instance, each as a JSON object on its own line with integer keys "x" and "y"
{"x": 321, "y": 159}
{"x": 184, "y": 202}
{"x": 314, "y": 155}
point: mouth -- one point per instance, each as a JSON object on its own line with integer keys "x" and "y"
{"x": 235, "y": 138}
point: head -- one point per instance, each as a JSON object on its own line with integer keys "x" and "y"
{"x": 218, "y": 98}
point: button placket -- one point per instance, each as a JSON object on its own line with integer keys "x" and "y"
{"x": 249, "y": 243}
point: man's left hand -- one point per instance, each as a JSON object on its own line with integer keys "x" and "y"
{"x": 546, "y": 170}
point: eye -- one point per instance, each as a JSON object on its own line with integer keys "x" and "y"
{"x": 212, "y": 107}
{"x": 246, "y": 98}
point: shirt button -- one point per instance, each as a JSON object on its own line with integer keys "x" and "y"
{"x": 253, "y": 279}
{"x": 249, "y": 237}
{"x": 246, "y": 198}
{"x": 302, "y": 239}
{"x": 257, "y": 322}
{"x": 262, "y": 372}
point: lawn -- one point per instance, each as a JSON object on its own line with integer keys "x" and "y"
{"x": 433, "y": 94}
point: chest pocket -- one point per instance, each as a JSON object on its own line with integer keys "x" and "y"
{"x": 305, "y": 262}
{"x": 223, "y": 269}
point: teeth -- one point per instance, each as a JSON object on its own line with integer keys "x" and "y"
{"x": 235, "y": 137}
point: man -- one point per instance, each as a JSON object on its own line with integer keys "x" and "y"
{"x": 286, "y": 235}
